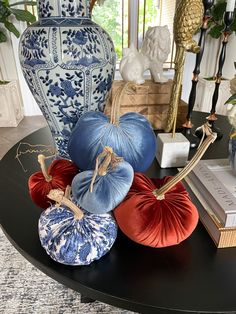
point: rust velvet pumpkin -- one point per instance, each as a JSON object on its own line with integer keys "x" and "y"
{"x": 152, "y": 222}
{"x": 159, "y": 212}
{"x": 59, "y": 174}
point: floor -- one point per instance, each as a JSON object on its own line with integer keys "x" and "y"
{"x": 10, "y": 136}
{"x": 25, "y": 289}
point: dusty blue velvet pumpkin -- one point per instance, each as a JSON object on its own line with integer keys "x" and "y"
{"x": 131, "y": 136}
{"x": 133, "y": 139}
{"x": 72, "y": 241}
{"x": 109, "y": 188}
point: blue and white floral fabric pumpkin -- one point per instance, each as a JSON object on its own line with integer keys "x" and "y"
{"x": 131, "y": 136}
{"x": 100, "y": 191}
{"x": 73, "y": 237}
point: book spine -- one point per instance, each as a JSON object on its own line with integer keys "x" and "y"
{"x": 221, "y": 200}
{"x": 222, "y": 237}
{"x": 207, "y": 195}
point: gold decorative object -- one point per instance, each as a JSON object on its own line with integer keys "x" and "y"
{"x": 187, "y": 20}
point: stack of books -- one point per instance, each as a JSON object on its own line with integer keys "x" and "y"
{"x": 214, "y": 184}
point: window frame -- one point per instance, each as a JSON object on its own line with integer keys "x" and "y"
{"x": 133, "y": 25}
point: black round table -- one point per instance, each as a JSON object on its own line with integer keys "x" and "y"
{"x": 193, "y": 277}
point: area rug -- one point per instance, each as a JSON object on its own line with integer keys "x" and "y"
{"x": 26, "y": 290}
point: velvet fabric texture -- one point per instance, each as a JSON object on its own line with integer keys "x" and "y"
{"x": 70, "y": 241}
{"x": 152, "y": 222}
{"x": 108, "y": 190}
{"x": 133, "y": 139}
{"x": 62, "y": 171}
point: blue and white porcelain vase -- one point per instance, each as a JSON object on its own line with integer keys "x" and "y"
{"x": 68, "y": 62}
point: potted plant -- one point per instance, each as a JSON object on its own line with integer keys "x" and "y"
{"x": 11, "y": 110}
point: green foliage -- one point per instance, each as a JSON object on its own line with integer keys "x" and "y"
{"x": 218, "y": 10}
{"x": 3, "y": 37}
{"x": 4, "y": 82}
{"x": 109, "y": 16}
{"x": 7, "y": 10}
{"x": 216, "y": 24}
{"x": 151, "y": 13}
{"x": 231, "y": 100}
{"x": 151, "y": 17}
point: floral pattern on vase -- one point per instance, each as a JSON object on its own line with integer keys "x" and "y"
{"x": 68, "y": 62}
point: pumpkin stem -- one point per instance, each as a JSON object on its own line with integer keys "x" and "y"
{"x": 41, "y": 160}
{"x": 118, "y": 98}
{"x": 58, "y": 196}
{"x": 68, "y": 191}
{"x": 102, "y": 166}
{"x": 102, "y": 170}
{"x": 211, "y": 137}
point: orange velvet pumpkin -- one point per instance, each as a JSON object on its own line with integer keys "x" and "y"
{"x": 159, "y": 212}
{"x": 152, "y": 222}
{"x": 59, "y": 174}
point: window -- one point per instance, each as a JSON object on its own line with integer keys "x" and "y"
{"x": 167, "y": 18}
{"x": 127, "y": 21}
{"x": 113, "y": 16}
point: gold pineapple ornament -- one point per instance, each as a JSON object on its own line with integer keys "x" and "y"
{"x": 187, "y": 20}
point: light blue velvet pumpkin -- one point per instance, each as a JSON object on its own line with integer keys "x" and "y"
{"x": 109, "y": 187}
{"x": 131, "y": 136}
{"x": 72, "y": 241}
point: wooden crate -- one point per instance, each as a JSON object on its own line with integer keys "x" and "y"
{"x": 151, "y": 100}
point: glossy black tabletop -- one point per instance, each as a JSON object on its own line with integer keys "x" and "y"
{"x": 193, "y": 277}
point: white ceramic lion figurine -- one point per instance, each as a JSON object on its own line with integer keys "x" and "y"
{"x": 133, "y": 65}
{"x": 154, "y": 52}
{"x": 156, "y": 46}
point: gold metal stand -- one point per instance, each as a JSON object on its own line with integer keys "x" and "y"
{"x": 187, "y": 20}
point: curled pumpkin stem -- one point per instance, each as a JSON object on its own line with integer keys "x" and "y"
{"x": 41, "y": 160}
{"x": 58, "y": 196}
{"x": 102, "y": 167}
{"x": 118, "y": 98}
{"x": 160, "y": 193}
{"x": 206, "y": 131}
{"x": 68, "y": 192}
